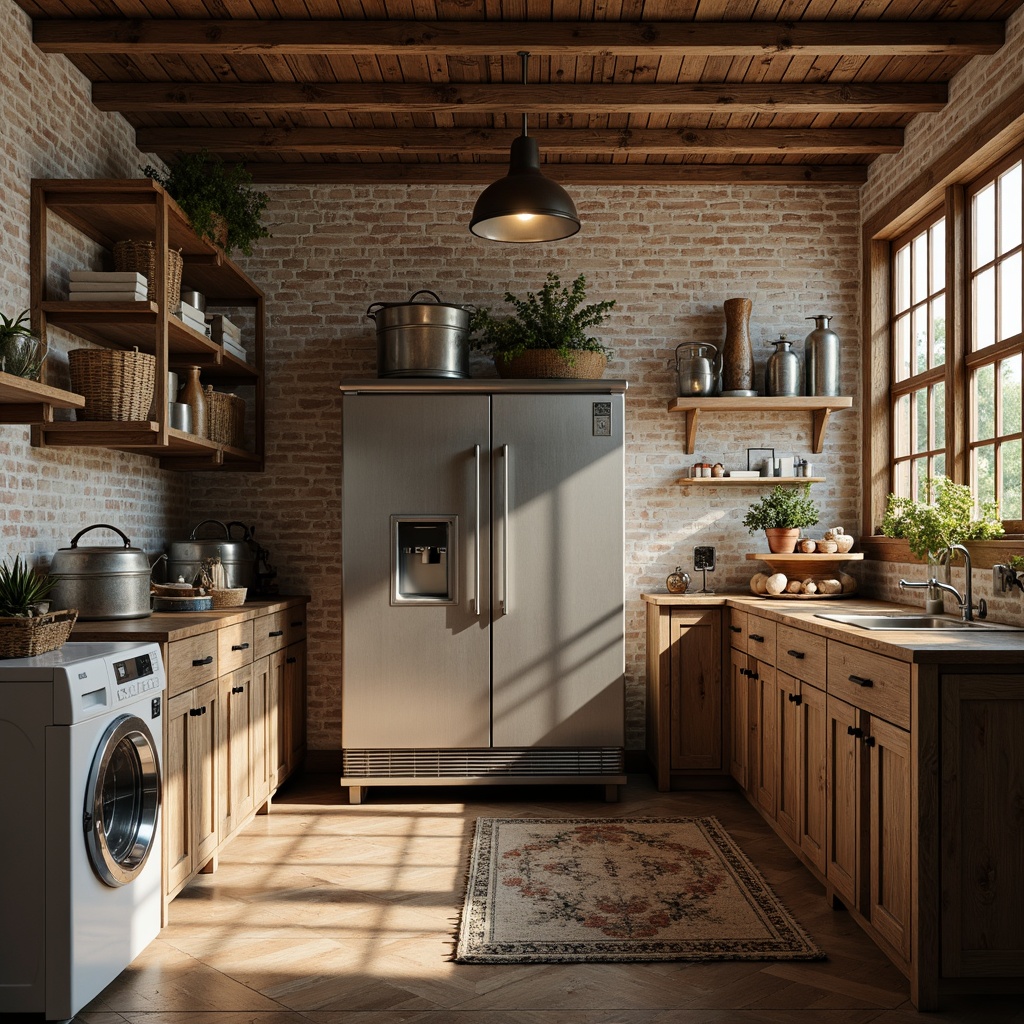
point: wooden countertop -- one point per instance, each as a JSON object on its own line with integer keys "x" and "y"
{"x": 161, "y": 627}
{"x": 967, "y": 647}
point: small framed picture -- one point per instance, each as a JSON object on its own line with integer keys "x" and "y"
{"x": 762, "y": 459}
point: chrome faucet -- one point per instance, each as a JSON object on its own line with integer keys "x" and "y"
{"x": 964, "y": 603}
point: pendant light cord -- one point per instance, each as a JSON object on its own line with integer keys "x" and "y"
{"x": 525, "y": 56}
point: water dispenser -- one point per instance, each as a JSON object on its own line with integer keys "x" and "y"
{"x": 424, "y": 560}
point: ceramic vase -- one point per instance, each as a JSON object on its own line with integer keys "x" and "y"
{"x": 192, "y": 395}
{"x": 737, "y": 353}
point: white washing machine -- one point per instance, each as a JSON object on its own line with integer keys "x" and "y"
{"x": 81, "y": 746}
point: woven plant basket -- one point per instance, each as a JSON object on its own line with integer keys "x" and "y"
{"x": 228, "y": 597}
{"x": 225, "y": 418}
{"x": 546, "y": 362}
{"x": 27, "y": 637}
{"x": 141, "y": 257}
{"x": 116, "y": 384}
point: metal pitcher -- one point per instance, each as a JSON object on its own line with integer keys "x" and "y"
{"x": 695, "y": 368}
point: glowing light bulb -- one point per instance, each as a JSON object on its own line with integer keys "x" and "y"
{"x": 524, "y": 216}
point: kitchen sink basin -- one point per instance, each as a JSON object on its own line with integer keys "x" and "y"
{"x": 914, "y": 622}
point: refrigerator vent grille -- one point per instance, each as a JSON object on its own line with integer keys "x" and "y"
{"x": 471, "y": 763}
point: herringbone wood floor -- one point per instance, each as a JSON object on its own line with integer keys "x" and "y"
{"x": 325, "y": 913}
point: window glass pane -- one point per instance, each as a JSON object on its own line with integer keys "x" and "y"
{"x": 921, "y": 420}
{"x": 984, "y": 220}
{"x": 1009, "y": 296}
{"x": 1010, "y": 394}
{"x": 985, "y": 473}
{"x": 939, "y": 463}
{"x": 939, "y": 332}
{"x": 901, "y": 426}
{"x": 920, "y": 268}
{"x": 920, "y": 339}
{"x": 921, "y": 475}
{"x": 984, "y": 309}
{"x": 901, "y": 276}
{"x": 939, "y": 415}
{"x": 901, "y": 480}
{"x": 901, "y": 358}
{"x": 984, "y": 402}
{"x": 938, "y": 249}
{"x": 1009, "y": 210}
{"x": 1010, "y": 501}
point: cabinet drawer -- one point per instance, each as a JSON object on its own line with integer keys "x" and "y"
{"x": 801, "y": 654}
{"x": 270, "y": 633}
{"x": 872, "y": 682}
{"x": 737, "y": 629}
{"x": 234, "y": 646}
{"x": 295, "y": 624}
{"x": 760, "y": 634}
{"x": 191, "y": 662}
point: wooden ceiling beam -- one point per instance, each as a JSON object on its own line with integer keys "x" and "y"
{"x": 575, "y": 141}
{"x": 361, "y": 98}
{"x": 491, "y": 38}
{"x": 567, "y": 174}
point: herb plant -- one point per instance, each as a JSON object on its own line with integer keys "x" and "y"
{"x": 21, "y": 352}
{"x": 552, "y": 318}
{"x": 782, "y": 508}
{"x": 208, "y": 190}
{"x": 22, "y": 589}
{"x": 937, "y": 527}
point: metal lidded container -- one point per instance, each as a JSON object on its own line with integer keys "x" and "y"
{"x": 421, "y": 339}
{"x": 821, "y": 358}
{"x": 101, "y": 581}
{"x": 185, "y": 557}
{"x": 782, "y": 374}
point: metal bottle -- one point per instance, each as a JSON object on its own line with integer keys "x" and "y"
{"x": 782, "y": 374}
{"x": 821, "y": 358}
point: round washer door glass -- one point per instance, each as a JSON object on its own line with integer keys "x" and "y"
{"x": 122, "y": 800}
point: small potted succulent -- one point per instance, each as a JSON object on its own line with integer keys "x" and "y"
{"x": 21, "y": 352}
{"x": 782, "y": 513}
{"x": 27, "y": 628}
{"x": 217, "y": 199}
{"x": 547, "y": 335}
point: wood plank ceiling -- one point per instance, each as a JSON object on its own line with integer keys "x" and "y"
{"x": 431, "y": 90}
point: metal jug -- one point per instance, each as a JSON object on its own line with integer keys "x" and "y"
{"x": 695, "y": 368}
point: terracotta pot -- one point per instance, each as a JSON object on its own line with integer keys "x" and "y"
{"x": 782, "y": 540}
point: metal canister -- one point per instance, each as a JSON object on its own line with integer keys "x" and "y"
{"x": 821, "y": 358}
{"x": 782, "y": 374}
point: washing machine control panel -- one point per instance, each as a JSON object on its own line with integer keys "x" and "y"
{"x": 134, "y": 676}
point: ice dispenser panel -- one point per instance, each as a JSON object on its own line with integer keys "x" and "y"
{"x": 423, "y": 552}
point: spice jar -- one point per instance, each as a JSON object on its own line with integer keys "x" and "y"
{"x": 718, "y": 469}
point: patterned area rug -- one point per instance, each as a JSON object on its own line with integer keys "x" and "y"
{"x": 550, "y": 890}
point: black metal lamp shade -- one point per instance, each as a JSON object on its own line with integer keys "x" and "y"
{"x": 524, "y": 206}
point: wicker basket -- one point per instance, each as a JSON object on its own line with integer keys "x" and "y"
{"x": 546, "y": 362}
{"x": 27, "y": 637}
{"x": 116, "y": 384}
{"x": 225, "y": 418}
{"x": 141, "y": 257}
{"x": 228, "y": 597}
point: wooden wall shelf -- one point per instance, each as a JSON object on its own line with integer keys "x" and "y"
{"x": 29, "y": 401}
{"x": 820, "y": 408}
{"x": 749, "y": 481}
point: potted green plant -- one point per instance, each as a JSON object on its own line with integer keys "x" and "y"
{"x": 217, "y": 198}
{"x": 21, "y": 352}
{"x": 27, "y": 628}
{"x": 547, "y": 335}
{"x": 782, "y": 513}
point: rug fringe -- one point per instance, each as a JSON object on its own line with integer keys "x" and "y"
{"x": 455, "y": 923}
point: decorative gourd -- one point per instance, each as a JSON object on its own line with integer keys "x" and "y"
{"x": 776, "y": 584}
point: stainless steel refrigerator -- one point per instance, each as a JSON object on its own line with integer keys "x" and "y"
{"x": 482, "y": 594}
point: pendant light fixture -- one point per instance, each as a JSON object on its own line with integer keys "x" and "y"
{"x": 524, "y": 206}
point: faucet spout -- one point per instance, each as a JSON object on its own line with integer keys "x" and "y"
{"x": 967, "y": 601}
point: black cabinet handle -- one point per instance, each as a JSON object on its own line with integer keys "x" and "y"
{"x": 754, "y": 675}
{"x": 759, "y": 639}
{"x": 238, "y": 689}
{"x": 202, "y": 710}
{"x": 290, "y": 661}
{"x": 795, "y": 698}
{"x": 799, "y": 655}
{"x": 197, "y": 662}
{"x": 295, "y": 625}
{"x": 736, "y": 629}
{"x": 853, "y": 730}
{"x": 861, "y": 681}
{"x": 276, "y": 632}
{"x": 192, "y": 712}
{"x": 239, "y": 647}
{"x": 868, "y": 741}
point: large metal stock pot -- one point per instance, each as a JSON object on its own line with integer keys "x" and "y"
{"x": 421, "y": 339}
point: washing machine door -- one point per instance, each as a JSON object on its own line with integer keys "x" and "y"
{"x": 122, "y": 801}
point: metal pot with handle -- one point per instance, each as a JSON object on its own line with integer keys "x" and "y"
{"x": 695, "y": 368}
{"x": 421, "y": 339}
{"x": 185, "y": 558}
{"x": 102, "y": 581}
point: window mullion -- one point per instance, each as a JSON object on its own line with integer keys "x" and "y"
{"x": 957, "y": 317}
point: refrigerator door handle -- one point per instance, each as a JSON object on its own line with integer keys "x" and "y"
{"x": 476, "y": 537}
{"x": 504, "y": 532}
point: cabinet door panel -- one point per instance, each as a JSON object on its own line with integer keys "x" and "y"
{"x": 695, "y": 697}
{"x": 176, "y": 810}
{"x": 788, "y": 757}
{"x": 812, "y": 744}
{"x": 294, "y": 700}
{"x": 843, "y": 789}
{"x": 262, "y": 768}
{"x": 234, "y": 754}
{"x": 766, "y": 743}
{"x": 739, "y": 719}
{"x": 204, "y": 736}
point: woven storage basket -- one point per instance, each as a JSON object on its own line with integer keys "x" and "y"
{"x": 228, "y": 597}
{"x": 226, "y": 417}
{"x": 116, "y": 385}
{"x": 546, "y": 362}
{"x": 141, "y": 256}
{"x": 25, "y": 638}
